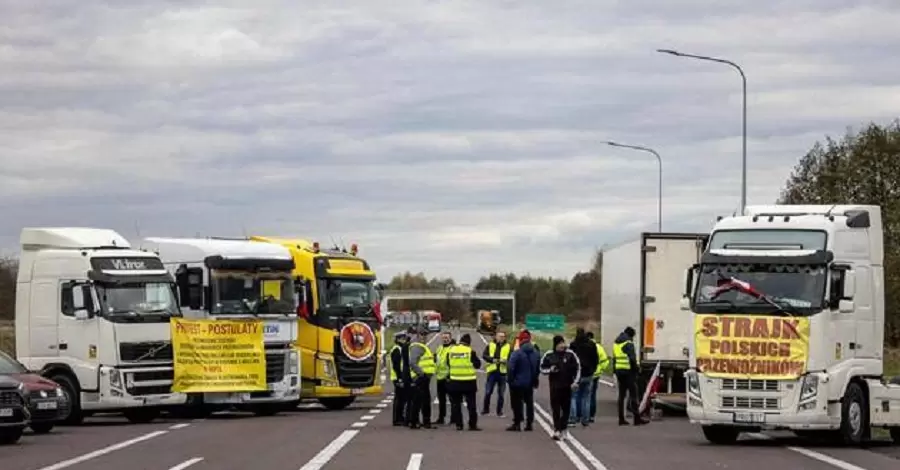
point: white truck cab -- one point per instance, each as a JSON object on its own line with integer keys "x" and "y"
{"x": 234, "y": 278}
{"x": 93, "y": 315}
{"x": 789, "y": 325}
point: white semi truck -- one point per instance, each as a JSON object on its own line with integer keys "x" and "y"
{"x": 92, "y": 314}
{"x": 788, "y": 305}
{"x": 642, "y": 285}
{"x": 234, "y": 278}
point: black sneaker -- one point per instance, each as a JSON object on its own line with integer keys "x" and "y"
{"x": 514, "y": 427}
{"x": 528, "y": 427}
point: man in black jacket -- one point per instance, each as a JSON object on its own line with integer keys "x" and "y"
{"x": 627, "y": 370}
{"x": 588, "y": 359}
{"x": 400, "y": 377}
{"x": 563, "y": 372}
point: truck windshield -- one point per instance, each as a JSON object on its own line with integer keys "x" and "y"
{"x": 140, "y": 301}
{"x": 238, "y": 293}
{"x": 342, "y": 293}
{"x": 797, "y": 289}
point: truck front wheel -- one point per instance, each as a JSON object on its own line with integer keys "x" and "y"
{"x": 720, "y": 435}
{"x": 73, "y": 397}
{"x": 854, "y": 415}
{"x": 9, "y": 436}
{"x": 141, "y": 415}
{"x": 337, "y": 403}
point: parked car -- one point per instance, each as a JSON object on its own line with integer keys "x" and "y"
{"x": 44, "y": 398}
{"x": 13, "y": 414}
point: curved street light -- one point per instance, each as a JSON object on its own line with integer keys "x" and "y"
{"x": 659, "y": 191}
{"x": 744, "y": 124}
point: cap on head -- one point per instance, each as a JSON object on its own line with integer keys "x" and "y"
{"x": 558, "y": 339}
{"x": 465, "y": 339}
{"x": 629, "y": 331}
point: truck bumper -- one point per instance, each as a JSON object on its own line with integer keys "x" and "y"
{"x": 813, "y": 420}
{"x": 322, "y": 391}
{"x": 278, "y": 392}
{"x": 123, "y": 388}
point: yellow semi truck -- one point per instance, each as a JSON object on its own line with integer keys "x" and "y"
{"x": 339, "y": 333}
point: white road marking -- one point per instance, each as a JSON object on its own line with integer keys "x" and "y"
{"x": 436, "y": 402}
{"x": 573, "y": 457}
{"x": 187, "y": 463}
{"x": 415, "y": 462}
{"x": 381, "y": 405}
{"x": 359, "y": 424}
{"x": 375, "y": 411}
{"x": 103, "y": 451}
{"x": 179, "y": 425}
{"x": 367, "y": 417}
{"x": 811, "y": 454}
{"x": 573, "y": 442}
{"x": 325, "y": 455}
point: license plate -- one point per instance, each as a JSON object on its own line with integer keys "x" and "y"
{"x": 47, "y": 405}
{"x": 6, "y": 412}
{"x": 750, "y": 418}
{"x": 356, "y": 391}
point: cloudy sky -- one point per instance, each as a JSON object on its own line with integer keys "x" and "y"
{"x": 451, "y": 137}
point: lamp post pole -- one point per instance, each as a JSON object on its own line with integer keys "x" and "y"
{"x": 659, "y": 190}
{"x": 744, "y": 106}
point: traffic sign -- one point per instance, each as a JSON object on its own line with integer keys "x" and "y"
{"x": 545, "y": 322}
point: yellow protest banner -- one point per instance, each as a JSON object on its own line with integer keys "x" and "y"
{"x": 751, "y": 346}
{"x": 218, "y": 355}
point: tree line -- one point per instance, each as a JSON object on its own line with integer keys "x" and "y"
{"x": 861, "y": 167}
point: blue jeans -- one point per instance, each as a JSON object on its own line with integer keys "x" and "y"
{"x": 581, "y": 401}
{"x": 594, "y": 385}
{"x": 498, "y": 380}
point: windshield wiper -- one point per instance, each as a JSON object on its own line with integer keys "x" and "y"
{"x": 732, "y": 283}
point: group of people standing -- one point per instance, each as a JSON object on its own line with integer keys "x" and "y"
{"x": 573, "y": 372}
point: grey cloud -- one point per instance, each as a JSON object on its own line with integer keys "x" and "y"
{"x": 450, "y": 137}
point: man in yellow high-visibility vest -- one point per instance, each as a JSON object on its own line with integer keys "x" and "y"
{"x": 422, "y": 368}
{"x": 627, "y": 368}
{"x": 443, "y": 374}
{"x": 496, "y": 355}
{"x": 602, "y": 365}
{"x": 463, "y": 364}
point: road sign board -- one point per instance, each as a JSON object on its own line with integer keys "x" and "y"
{"x": 545, "y": 322}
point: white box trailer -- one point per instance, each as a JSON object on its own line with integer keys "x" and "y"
{"x": 642, "y": 285}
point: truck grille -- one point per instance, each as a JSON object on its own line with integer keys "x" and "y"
{"x": 276, "y": 362}
{"x": 154, "y": 351}
{"x": 10, "y": 398}
{"x": 750, "y": 403}
{"x": 755, "y": 385}
{"x": 354, "y": 374}
{"x": 151, "y": 382}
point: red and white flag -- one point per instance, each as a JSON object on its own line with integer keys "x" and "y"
{"x": 652, "y": 388}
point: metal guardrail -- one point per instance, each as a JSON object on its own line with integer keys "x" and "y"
{"x": 451, "y": 294}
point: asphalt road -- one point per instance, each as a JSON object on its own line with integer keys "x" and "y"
{"x": 363, "y": 437}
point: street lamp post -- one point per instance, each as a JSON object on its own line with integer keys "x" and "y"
{"x": 744, "y": 124}
{"x": 659, "y": 191}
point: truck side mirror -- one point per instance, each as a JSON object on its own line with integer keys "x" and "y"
{"x": 846, "y": 306}
{"x": 685, "y": 304}
{"x": 82, "y": 314}
{"x": 89, "y": 306}
{"x": 299, "y": 291}
{"x": 849, "y": 284}
{"x": 190, "y": 287}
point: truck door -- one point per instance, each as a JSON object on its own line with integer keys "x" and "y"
{"x": 43, "y": 326}
{"x": 666, "y": 330}
{"x": 79, "y": 327}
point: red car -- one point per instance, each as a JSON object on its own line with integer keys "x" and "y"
{"x": 45, "y": 399}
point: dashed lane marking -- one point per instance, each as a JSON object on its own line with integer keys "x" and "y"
{"x": 381, "y": 405}
{"x": 187, "y": 463}
{"x": 415, "y": 462}
{"x": 103, "y": 451}
{"x": 179, "y": 425}
{"x": 376, "y": 411}
{"x": 811, "y": 454}
{"x": 325, "y": 455}
{"x": 367, "y": 417}
{"x": 359, "y": 424}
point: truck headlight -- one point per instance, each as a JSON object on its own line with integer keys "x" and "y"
{"x": 293, "y": 363}
{"x": 693, "y": 383}
{"x": 115, "y": 379}
{"x": 810, "y": 388}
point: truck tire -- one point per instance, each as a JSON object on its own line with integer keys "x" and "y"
{"x": 41, "y": 428}
{"x": 141, "y": 415}
{"x": 9, "y": 436}
{"x": 721, "y": 435}
{"x": 854, "y": 415}
{"x": 73, "y": 396}
{"x": 337, "y": 403}
{"x": 895, "y": 435}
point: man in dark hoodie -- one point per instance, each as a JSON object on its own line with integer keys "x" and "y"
{"x": 588, "y": 359}
{"x": 626, "y": 367}
{"x": 401, "y": 378}
{"x": 522, "y": 373}
{"x": 563, "y": 373}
